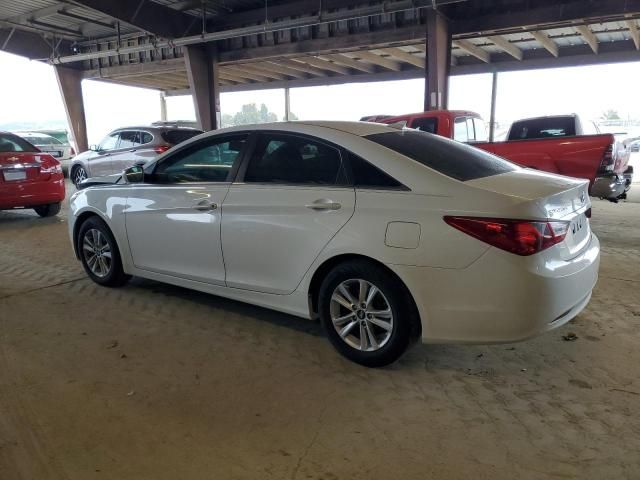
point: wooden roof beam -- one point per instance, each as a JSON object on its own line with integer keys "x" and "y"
{"x": 302, "y": 67}
{"x": 505, "y": 45}
{"x": 323, "y": 64}
{"x": 376, "y": 60}
{"x": 350, "y": 62}
{"x": 543, "y": 39}
{"x": 404, "y": 56}
{"x": 588, "y": 37}
{"x": 634, "y": 32}
{"x": 473, "y": 49}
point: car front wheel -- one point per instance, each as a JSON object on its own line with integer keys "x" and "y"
{"x": 99, "y": 253}
{"x": 48, "y": 210}
{"x": 367, "y": 313}
{"x": 78, "y": 174}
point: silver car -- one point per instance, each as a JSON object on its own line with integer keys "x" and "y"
{"x": 125, "y": 147}
{"x": 51, "y": 145}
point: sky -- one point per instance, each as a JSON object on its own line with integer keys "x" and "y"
{"x": 29, "y": 94}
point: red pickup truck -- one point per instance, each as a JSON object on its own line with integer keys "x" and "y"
{"x": 599, "y": 158}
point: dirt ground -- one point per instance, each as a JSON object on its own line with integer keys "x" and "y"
{"x": 156, "y": 382}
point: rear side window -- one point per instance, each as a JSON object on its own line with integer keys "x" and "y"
{"x": 453, "y": 159}
{"x": 128, "y": 139}
{"x": 174, "y": 137}
{"x": 543, "y": 128}
{"x": 290, "y": 159}
{"x": 13, "y": 143}
{"x": 429, "y": 125}
{"x": 366, "y": 175}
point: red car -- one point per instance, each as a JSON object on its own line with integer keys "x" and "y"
{"x": 29, "y": 178}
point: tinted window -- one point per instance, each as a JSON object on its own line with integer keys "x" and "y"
{"x": 291, "y": 159}
{"x": 175, "y": 137}
{"x": 128, "y": 139}
{"x": 13, "y": 143}
{"x": 460, "y": 132}
{"x": 43, "y": 141}
{"x": 109, "y": 143}
{"x": 543, "y": 128}
{"x": 429, "y": 125}
{"x": 145, "y": 137}
{"x": 366, "y": 175}
{"x": 209, "y": 161}
{"x": 454, "y": 159}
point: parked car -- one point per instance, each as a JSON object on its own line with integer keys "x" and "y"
{"x": 59, "y": 134}
{"x": 29, "y": 178}
{"x": 126, "y": 146}
{"x": 51, "y": 145}
{"x": 385, "y": 234}
{"x": 598, "y": 158}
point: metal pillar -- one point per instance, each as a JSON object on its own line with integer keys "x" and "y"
{"x": 163, "y": 107}
{"x": 494, "y": 94}
{"x": 70, "y": 85}
{"x": 201, "y": 62}
{"x": 287, "y": 104}
{"x": 436, "y": 92}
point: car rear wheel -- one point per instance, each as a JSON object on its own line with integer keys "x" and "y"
{"x": 48, "y": 210}
{"x": 366, "y": 313}
{"x": 78, "y": 174}
{"x": 99, "y": 254}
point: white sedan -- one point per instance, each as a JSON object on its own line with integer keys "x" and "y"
{"x": 54, "y": 147}
{"x": 387, "y": 235}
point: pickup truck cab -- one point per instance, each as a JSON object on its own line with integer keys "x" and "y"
{"x": 551, "y": 148}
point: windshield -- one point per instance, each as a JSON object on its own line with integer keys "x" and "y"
{"x": 453, "y": 159}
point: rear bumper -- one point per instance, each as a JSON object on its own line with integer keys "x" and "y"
{"x": 32, "y": 194}
{"x": 502, "y": 297}
{"x": 609, "y": 186}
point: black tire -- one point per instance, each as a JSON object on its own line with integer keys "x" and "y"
{"x": 114, "y": 275}
{"x": 394, "y": 293}
{"x": 48, "y": 210}
{"x": 78, "y": 173}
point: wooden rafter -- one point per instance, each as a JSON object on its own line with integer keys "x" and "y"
{"x": 473, "y": 49}
{"x": 302, "y": 67}
{"x": 505, "y": 45}
{"x": 404, "y": 56}
{"x": 634, "y": 32}
{"x": 260, "y": 71}
{"x": 588, "y": 37}
{"x": 350, "y": 62}
{"x": 322, "y": 64}
{"x": 377, "y": 60}
{"x": 543, "y": 39}
{"x": 276, "y": 67}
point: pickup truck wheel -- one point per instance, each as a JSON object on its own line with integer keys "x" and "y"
{"x": 48, "y": 210}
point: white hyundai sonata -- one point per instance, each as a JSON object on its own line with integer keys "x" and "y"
{"x": 387, "y": 235}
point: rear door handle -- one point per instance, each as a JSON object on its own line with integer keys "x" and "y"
{"x": 133, "y": 150}
{"x": 205, "y": 206}
{"x": 324, "y": 204}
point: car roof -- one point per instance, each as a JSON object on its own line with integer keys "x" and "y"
{"x": 360, "y": 129}
{"x": 154, "y": 127}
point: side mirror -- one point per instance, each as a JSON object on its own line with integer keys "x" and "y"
{"x": 133, "y": 174}
{"x": 93, "y": 148}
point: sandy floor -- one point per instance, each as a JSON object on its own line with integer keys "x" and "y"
{"x": 156, "y": 382}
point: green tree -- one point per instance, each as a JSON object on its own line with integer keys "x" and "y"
{"x": 610, "y": 115}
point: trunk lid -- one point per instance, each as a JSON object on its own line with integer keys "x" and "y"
{"x": 24, "y": 167}
{"x": 547, "y": 196}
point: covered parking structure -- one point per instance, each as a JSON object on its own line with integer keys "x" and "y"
{"x": 206, "y": 47}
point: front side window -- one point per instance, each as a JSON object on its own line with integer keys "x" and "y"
{"x": 480, "y": 128}
{"x": 109, "y": 142}
{"x": 13, "y": 143}
{"x": 294, "y": 160}
{"x": 208, "y": 161}
{"x": 454, "y": 159}
{"x": 460, "y": 132}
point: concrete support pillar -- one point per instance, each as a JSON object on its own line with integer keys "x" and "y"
{"x": 436, "y": 92}
{"x": 201, "y": 62}
{"x": 492, "y": 118}
{"x": 163, "y": 107}
{"x": 70, "y": 85}
{"x": 287, "y": 104}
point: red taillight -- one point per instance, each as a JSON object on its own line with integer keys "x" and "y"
{"x": 607, "y": 163}
{"x": 161, "y": 148}
{"x": 522, "y": 237}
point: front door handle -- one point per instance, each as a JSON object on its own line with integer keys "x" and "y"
{"x": 133, "y": 150}
{"x": 205, "y": 206}
{"x": 324, "y": 204}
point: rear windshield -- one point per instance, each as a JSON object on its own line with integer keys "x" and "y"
{"x": 453, "y": 159}
{"x": 43, "y": 141}
{"x": 13, "y": 143}
{"x": 175, "y": 137}
{"x": 543, "y": 128}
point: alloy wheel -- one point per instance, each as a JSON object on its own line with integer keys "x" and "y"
{"x": 361, "y": 315}
{"x": 97, "y": 252}
{"x": 79, "y": 175}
